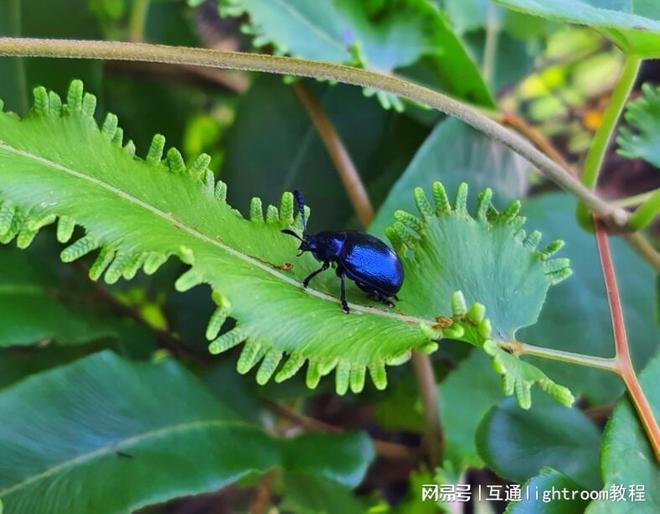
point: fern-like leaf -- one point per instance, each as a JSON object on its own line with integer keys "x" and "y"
{"x": 641, "y": 139}
{"x": 58, "y": 164}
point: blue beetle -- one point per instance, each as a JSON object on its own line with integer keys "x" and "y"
{"x": 365, "y": 259}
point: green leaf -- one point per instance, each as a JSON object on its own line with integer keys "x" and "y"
{"x": 626, "y": 456}
{"x": 576, "y": 316}
{"x": 392, "y": 36}
{"x": 641, "y": 140}
{"x": 309, "y": 494}
{"x": 633, "y": 26}
{"x": 138, "y": 213}
{"x": 271, "y": 117}
{"x": 468, "y": 384}
{"x": 37, "y": 304}
{"x": 80, "y": 429}
{"x": 543, "y": 485}
{"x": 517, "y": 444}
{"x": 455, "y": 153}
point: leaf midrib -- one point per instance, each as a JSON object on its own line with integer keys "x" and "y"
{"x": 123, "y": 443}
{"x": 203, "y": 237}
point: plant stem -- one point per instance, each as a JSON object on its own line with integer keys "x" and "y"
{"x": 338, "y": 153}
{"x": 433, "y": 438}
{"x": 635, "y": 200}
{"x": 590, "y": 361}
{"x": 138, "y": 20}
{"x": 261, "y": 500}
{"x": 645, "y": 213}
{"x": 490, "y": 46}
{"x": 624, "y": 364}
{"x": 601, "y": 141}
{"x": 645, "y": 249}
{"x": 334, "y": 72}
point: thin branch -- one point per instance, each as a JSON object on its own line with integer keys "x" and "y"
{"x": 601, "y": 140}
{"x": 538, "y": 138}
{"x": 645, "y": 249}
{"x": 591, "y": 361}
{"x": 262, "y": 496}
{"x": 285, "y": 65}
{"x": 428, "y": 389}
{"x": 623, "y": 360}
{"x": 338, "y": 153}
{"x": 635, "y": 200}
{"x": 384, "y": 449}
{"x": 490, "y": 46}
{"x": 138, "y": 20}
{"x": 645, "y": 213}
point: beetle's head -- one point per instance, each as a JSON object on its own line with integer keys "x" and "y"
{"x": 307, "y": 244}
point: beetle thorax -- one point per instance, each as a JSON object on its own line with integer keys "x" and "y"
{"x": 325, "y": 246}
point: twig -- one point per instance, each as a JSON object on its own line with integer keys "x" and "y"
{"x": 538, "y": 138}
{"x": 635, "y": 200}
{"x": 624, "y": 364}
{"x": 645, "y": 213}
{"x": 385, "y": 449}
{"x": 113, "y": 50}
{"x": 138, "y": 20}
{"x": 428, "y": 389}
{"x": 339, "y": 154}
{"x": 591, "y": 361}
{"x": 261, "y": 500}
{"x": 645, "y": 249}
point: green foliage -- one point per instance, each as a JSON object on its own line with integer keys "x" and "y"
{"x": 138, "y": 213}
{"x": 626, "y": 456}
{"x": 634, "y": 27}
{"x": 455, "y": 153}
{"x": 406, "y": 33}
{"x": 79, "y": 431}
{"x": 576, "y": 315}
{"x": 546, "y": 480}
{"x": 517, "y": 444}
{"x": 27, "y": 281}
{"x": 642, "y": 139}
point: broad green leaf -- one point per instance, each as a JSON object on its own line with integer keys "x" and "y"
{"x": 455, "y": 153}
{"x": 536, "y": 495}
{"x": 469, "y": 384}
{"x": 641, "y": 140}
{"x": 291, "y": 155}
{"x": 517, "y": 444}
{"x": 81, "y": 429}
{"x": 389, "y": 37}
{"x": 626, "y": 456}
{"x": 57, "y": 162}
{"x": 309, "y": 494}
{"x": 576, "y": 316}
{"x": 38, "y": 304}
{"x": 633, "y": 26}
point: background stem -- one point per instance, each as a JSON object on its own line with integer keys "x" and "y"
{"x": 338, "y": 153}
{"x": 601, "y": 140}
{"x": 428, "y": 389}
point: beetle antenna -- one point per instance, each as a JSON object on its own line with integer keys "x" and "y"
{"x": 300, "y": 203}
{"x": 291, "y": 233}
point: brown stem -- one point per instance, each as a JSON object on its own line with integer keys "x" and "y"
{"x": 261, "y": 500}
{"x": 537, "y": 138}
{"x": 348, "y": 173}
{"x": 645, "y": 249}
{"x": 385, "y": 449}
{"x": 624, "y": 364}
{"x": 433, "y": 437}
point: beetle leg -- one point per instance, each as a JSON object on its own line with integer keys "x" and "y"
{"x": 323, "y": 267}
{"x": 342, "y": 293}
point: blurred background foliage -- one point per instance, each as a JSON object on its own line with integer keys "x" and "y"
{"x": 557, "y": 77}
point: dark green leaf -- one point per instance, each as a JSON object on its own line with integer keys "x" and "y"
{"x": 309, "y": 494}
{"x": 385, "y": 36}
{"x": 516, "y": 444}
{"x": 456, "y": 153}
{"x": 543, "y": 485}
{"x": 627, "y": 457}
{"x": 576, "y": 315}
{"x": 103, "y": 417}
{"x": 291, "y": 155}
